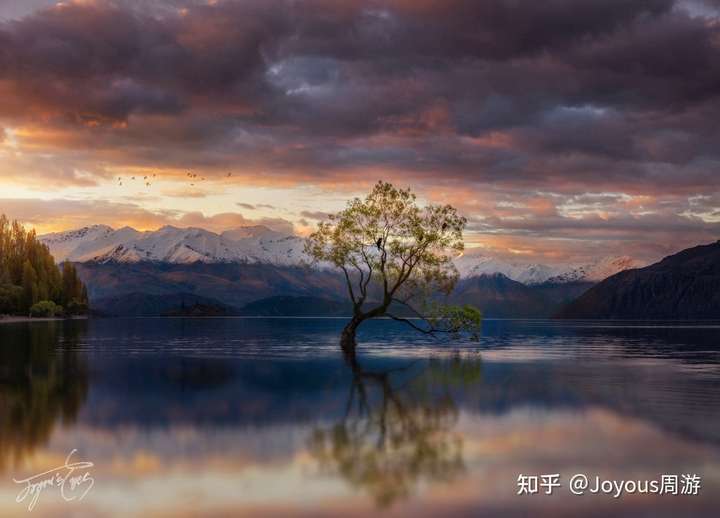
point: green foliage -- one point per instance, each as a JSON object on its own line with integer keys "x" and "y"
{"x": 45, "y": 308}
{"x": 74, "y": 293}
{"x": 396, "y": 253}
{"x": 76, "y": 307}
{"x": 28, "y": 273}
{"x": 456, "y": 319}
{"x": 11, "y": 298}
{"x": 29, "y": 284}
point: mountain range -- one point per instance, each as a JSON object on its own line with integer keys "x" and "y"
{"x": 685, "y": 285}
{"x": 474, "y": 263}
{"x": 258, "y": 271}
{"x": 498, "y": 296}
{"x": 102, "y": 244}
{"x": 261, "y": 245}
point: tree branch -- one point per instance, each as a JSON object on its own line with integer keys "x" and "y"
{"x": 411, "y": 266}
{"x": 404, "y": 303}
{"x": 360, "y": 282}
{"x": 430, "y": 331}
{"x": 370, "y": 273}
{"x": 349, "y": 285}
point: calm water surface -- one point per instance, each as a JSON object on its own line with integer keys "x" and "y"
{"x": 262, "y": 417}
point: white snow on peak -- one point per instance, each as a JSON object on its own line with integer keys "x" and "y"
{"x": 474, "y": 263}
{"x": 597, "y": 270}
{"x": 260, "y": 244}
{"x": 175, "y": 245}
{"x": 255, "y": 231}
{"x": 63, "y": 244}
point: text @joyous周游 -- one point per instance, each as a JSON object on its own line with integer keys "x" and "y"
{"x": 581, "y": 484}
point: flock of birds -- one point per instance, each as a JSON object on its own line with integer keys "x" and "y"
{"x": 190, "y": 176}
{"x": 146, "y": 179}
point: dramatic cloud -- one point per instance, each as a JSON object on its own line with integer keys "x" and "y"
{"x": 48, "y": 215}
{"x": 228, "y": 220}
{"x": 316, "y": 215}
{"x": 579, "y": 103}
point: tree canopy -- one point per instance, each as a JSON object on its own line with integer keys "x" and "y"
{"x": 396, "y": 257}
{"x": 28, "y": 274}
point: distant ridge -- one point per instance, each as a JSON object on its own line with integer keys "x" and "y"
{"x": 259, "y": 271}
{"x": 475, "y": 263}
{"x": 498, "y": 296}
{"x": 151, "y": 305}
{"x": 685, "y": 285}
{"x": 298, "y": 307}
{"x": 230, "y": 284}
{"x": 261, "y": 245}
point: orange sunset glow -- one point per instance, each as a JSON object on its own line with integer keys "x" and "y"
{"x": 359, "y": 258}
{"x": 108, "y": 108}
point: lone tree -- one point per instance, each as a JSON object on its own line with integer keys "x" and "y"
{"x": 396, "y": 258}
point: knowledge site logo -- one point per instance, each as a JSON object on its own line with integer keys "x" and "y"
{"x": 581, "y": 484}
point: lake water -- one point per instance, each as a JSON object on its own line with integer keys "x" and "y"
{"x": 263, "y": 417}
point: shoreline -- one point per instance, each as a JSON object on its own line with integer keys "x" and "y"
{"x": 10, "y": 319}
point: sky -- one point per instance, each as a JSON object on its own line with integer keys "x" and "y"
{"x": 563, "y": 130}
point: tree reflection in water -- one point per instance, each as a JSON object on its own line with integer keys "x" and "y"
{"x": 43, "y": 381}
{"x": 398, "y": 428}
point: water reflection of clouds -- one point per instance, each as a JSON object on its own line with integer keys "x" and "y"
{"x": 218, "y": 435}
{"x": 136, "y": 477}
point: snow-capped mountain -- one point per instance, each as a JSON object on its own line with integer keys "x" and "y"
{"x": 259, "y": 244}
{"x": 251, "y": 232}
{"x": 62, "y": 245}
{"x": 170, "y": 244}
{"x": 473, "y": 263}
{"x": 598, "y": 270}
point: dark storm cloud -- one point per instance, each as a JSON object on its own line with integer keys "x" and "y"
{"x": 110, "y": 60}
{"x": 565, "y": 96}
{"x": 286, "y": 51}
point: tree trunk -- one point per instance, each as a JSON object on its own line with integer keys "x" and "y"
{"x": 347, "y": 337}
